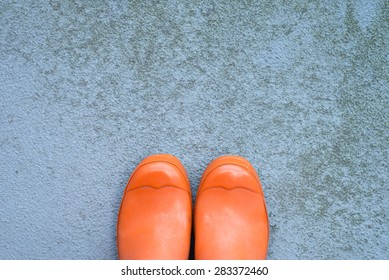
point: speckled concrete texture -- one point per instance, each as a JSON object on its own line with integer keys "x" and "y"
{"x": 90, "y": 88}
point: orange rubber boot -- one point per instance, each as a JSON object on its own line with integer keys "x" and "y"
{"x": 155, "y": 215}
{"x": 230, "y": 219}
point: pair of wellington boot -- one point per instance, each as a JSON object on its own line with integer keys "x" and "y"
{"x": 230, "y": 217}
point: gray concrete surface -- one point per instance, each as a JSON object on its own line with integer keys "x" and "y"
{"x": 90, "y": 88}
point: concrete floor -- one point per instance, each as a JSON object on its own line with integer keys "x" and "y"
{"x": 90, "y": 88}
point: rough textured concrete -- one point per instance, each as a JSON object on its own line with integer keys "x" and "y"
{"x": 89, "y": 88}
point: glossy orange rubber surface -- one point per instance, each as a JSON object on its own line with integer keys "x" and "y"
{"x": 155, "y": 215}
{"x": 231, "y": 220}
